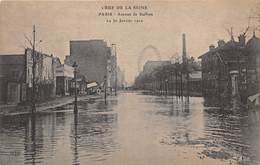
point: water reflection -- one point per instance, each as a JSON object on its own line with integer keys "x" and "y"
{"x": 127, "y": 127}
{"x": 43, "y": 138}
{"x": 235, "y": 132}
{"x": 220, "y": 133}
{"x": 95, "y": 131}
{"x": 30, "y": 143}
{"x": 75, "y": 143}
{"x": 178, "y": 106}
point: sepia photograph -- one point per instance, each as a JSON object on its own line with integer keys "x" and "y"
{"x": 120, "y": 82}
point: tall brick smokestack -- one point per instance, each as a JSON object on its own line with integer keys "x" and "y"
{"x": 184, "y": 54}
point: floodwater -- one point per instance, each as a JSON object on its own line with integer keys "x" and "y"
{"x": 132, "y": 129}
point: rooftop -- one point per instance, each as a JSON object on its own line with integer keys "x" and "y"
{"x": 227, "y": 46}
{"x": 12, "y": 59}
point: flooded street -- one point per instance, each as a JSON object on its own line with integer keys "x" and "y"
{"x": 132, "y": 129}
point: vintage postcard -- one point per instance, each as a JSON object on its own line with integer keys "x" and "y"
{"x": 153, "y": 82}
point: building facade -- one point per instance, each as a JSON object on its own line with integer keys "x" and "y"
{"x": 64, "y": 78}
{"x": 253, "y": 65}
{"x": 111, "y": 65}
{"x": 231, "y": 69}
{"x": 195, "y": 82}
{"x": 121, "y": 84}
{"x": 91, "y": 57}
{"x": 45, "y": 78}
{"x": 12, "y": 79}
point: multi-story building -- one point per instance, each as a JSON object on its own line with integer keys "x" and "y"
{"x": 45, "y": 78}
{"x": 91, "y": 57}
{"x": 220, "y": 64}
{"x": 253, "y": 65}
{"x": 111, "y": 64}
{"x": 231, "y": 69}
{"x": 16, "y": 77}
{"x": 120, "y": 78}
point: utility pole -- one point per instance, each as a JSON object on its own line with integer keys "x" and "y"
{"x": 33, "y": 73}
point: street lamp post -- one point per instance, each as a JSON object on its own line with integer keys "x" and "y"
{"x": 75, "y": 88}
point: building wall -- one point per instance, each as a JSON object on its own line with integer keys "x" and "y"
{"x": 13, "y": 94}
{"x": 258, "y": 69}
{"x": 12, "y": 78}
{"x": 112, "y": 74}
{"x": 253, "y": 54}
{"x": 65, "y": 70}
{"x": 91, "y": 57}
{"x": 120, "y": 78}
{"x": 60, "y": 82}
{"x": 214, "y": 75}
{"x": 44, "y": 74}
{"x": 218, "y": 63}
{"x": 64, "y": 76}
{"x": 3, "y": 90}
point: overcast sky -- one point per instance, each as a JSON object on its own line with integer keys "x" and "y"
{"x": 203, "y": 21}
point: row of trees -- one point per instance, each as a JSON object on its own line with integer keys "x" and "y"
{"x": 168, "y": 79}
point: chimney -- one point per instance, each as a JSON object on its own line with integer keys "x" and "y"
{"x": 184, "y": 55}
{"x": 221, "y": 43}
{"x": 242, "y": 40}
{"x": 211, "y": 47}
{"x": 254, "y": 36}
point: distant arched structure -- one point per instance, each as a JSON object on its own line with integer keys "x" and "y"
{"x": 143, "y": 55}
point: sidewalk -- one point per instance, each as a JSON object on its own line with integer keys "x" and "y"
{"x": 54, "y": 103}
